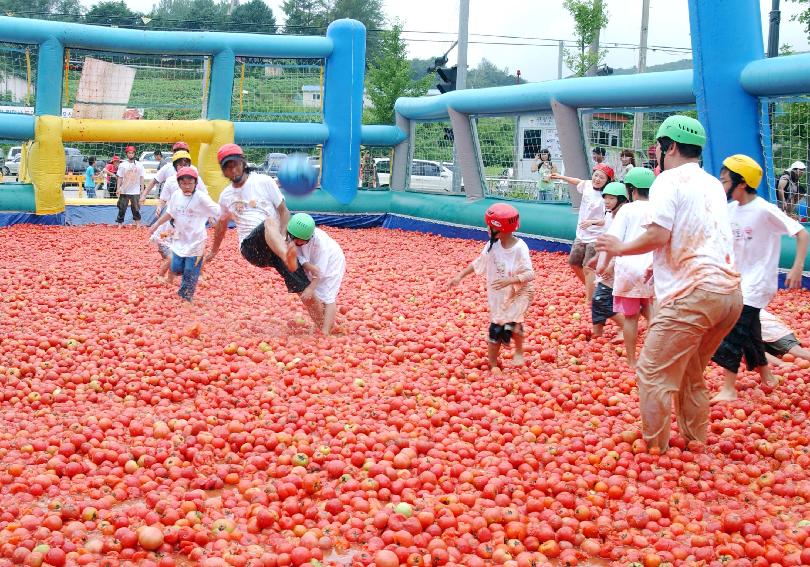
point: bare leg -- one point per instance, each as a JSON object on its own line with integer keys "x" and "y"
{"x": 517, "y": 358}
{"x": 164, "y": 266}
{"x": 728, "y": 392}
{"x": 590, "y": 285}
{"x": 329, "y": 313}
{"x": 279, "y": 245}
{"x": 766, "y": 377}
{"x": 774, "y": 360}
{"x": 579, "y": 272}
{"x": 631, "y": 338}
{"x": 315, "y": 309}
{"x": 618, "y": 318}
{"x": 492, "y": 354}
{"x": 597, "y": 330}
{"x": 800, "y": 352}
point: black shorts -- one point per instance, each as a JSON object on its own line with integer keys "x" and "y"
{"x": 783, "y": 345}
{"x": 745, "y": 339}
{"x": 602, "y": 304}
{"x": 255, "y": 250}
{"x": 503, "y": 333}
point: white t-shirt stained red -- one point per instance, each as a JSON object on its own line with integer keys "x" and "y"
{"x": 508, "y": 304}
{"x": 773, "y": 328}
{"x": 326, "y": 254}
{"x": 629, "y": 272}
{"x": 252, "y": 203}
{"x": 190, "y": 215}
{"x": 758, "y": 228}
{"x": 131, "y": 173}
{"x": 692, "y": 205}
{"x": 592, "y": 207}
{"x": 170, "y": 186}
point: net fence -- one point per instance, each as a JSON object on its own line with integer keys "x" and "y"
{"x": 277, "y": 90}
{"x": 431, "y": 167}
{"x": 109, "y": 85}
{"x": 18, "y": 64}
{"x": 785, "y": 134}
{"x": 632, "y": 130}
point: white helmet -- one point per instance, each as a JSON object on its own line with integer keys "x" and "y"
{"x": 797, "y": 165}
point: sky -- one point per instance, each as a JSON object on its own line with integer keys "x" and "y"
{"x": 535, "y": 26}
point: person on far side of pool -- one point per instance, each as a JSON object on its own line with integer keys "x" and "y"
{"x": 505, "y": 261}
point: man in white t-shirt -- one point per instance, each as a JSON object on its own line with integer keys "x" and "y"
{"x": 590, "y": 223}
{"x": 130, "y": 180}
{"x": 757, "y": 226}
{"x": 255, "y": 203}
{"x": 697, "y": 287}
{"x": 166, "y": 170}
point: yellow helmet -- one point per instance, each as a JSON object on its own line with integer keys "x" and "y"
{"x": 746, "y": 168}
{"x": 181, "y": 154}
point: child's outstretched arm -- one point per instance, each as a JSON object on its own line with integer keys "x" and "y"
{"x": 158, "y": 223}
{"x": 571, "y": 180}
{"x": 455, "y": 280}
{"x": 794, "y": 277}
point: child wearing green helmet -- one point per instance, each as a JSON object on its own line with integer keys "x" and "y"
{"x": 323, "y": 260}
{"x": 632, "y": 286}
{"x": 615, "y": 196}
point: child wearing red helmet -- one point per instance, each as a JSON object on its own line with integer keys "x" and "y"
{"x": 505, "y": 261}
{"x": 130, "y": 181}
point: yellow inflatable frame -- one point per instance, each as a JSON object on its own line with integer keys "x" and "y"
{"x": 45, "y": 161}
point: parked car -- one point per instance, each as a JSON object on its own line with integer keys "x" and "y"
{"x": 271, "y": 163}
{"x": 426, "y": 175}
{"x": 12, "y": 166}
{"x": 13, "y": 152}
{"x": 75, "y": 161}
{"x": 150, "y": 165}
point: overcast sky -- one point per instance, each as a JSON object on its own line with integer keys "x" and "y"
{"x": 537, "y": 58}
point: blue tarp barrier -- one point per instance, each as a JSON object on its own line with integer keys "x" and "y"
{"x": 79, "y": 215}
{"x": 8, "y": 219}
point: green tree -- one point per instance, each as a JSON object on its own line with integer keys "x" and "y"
{"x": 369, "y": 12}
{"x": 389, "y": 77}
{"x": 68, "y": 11}
{"x": 590, "y": 16}
{"x": 304, "y": 17}
{"x": 111, "y": 13}
{"x": 487, "y": 74}
{"x": 40, "y": 9}
{"x": 255, "y": 16}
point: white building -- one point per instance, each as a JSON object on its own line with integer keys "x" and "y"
{"x": 311, "y": 96}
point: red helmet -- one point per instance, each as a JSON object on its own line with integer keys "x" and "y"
{"x": 180, "y": 146}
{"x": 187, "y": 172}
{"x": 606, "y": 169}
{"x": 130, "y": 149}
{"x": 501, "y": 217}
{"x": 116, "y": 158}
{"x": 228, "y": 152}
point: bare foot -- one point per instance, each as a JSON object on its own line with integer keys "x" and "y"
{"x": 518, "y": 359}
{"x": 631, "y": 362}
{"x": 290, "y": 258}
{"x": 724, "y": 396}
{"x": 769, "y": 380}
{"x": 493, "y": 364}
{"x": 618, "y": 339}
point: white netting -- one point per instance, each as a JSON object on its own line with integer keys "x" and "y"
{"x": 277, "y": 90}
{"x": 786, "y": 139}
{"x": 431, "y": 168}
{"x": 18, "y": 64}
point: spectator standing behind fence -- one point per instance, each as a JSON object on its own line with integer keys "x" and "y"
{"x": 628, "y": 162}
{"x": 697, "y": 287}
{"x": 130, "y": 181}
{"x": 368, "y": 171}
{"x": 544, "y": 168}
{"x": 89, "y": 178}
{"x": 110, "y": 172}
{"x": 789, "y": 192}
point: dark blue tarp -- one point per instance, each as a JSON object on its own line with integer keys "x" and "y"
{"x": 79, "y": 215}
{"x": 8, "y": 219}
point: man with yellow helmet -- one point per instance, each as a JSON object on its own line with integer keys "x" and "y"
{"x": 757, "y": 227}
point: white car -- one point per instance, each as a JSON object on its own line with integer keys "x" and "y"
{"x": 150, "y": 165}
{"x": 426, "y": 175}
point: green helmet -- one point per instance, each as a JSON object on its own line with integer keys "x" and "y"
{"x": 616, "y": 189}
{"x": 640, "y": 177}
{"x": 301, "y": 226}
{"x": 682, "y": 129}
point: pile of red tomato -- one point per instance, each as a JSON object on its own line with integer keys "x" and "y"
{"x": 137, "y": 430}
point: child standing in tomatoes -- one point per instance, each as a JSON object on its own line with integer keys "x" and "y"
{"x": 505, "y": 261}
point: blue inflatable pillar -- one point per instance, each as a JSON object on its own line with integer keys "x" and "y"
{"x": 220, "y": 88}
{"x": 50, "y": 69}
{"x": 726, "y": 36}
{"x": 344, "y": 78}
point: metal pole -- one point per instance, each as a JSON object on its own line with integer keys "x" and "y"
{"x": 461, "y": 77}
{"x": 560, "y": 51}
{"x": 773, "y": 29}
{"x": 638, "y": 120}
{"x": 516, "y": 157}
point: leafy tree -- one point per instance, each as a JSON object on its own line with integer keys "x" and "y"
{"x": 419, "y": 68}
{"x": 590, "y": 16}
{"x": 68, "y": 10}
{"x": 304, "y": 17}
{"x": 41, "y": 9}
{"x": 803, "y": 16}
{"x": 255, "y": 16}
{"x": 111, "y": 13}
{"x": 369, "y": 12}
{"x": 389, "y": 77}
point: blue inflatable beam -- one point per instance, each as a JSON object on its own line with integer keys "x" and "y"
{"x": 220, "y": 90}
{"x": 141, "y": 41}
{"x": 778, "y": 76}
{"x": 49, "y": 72}
{"x": 726, "y": 36}
{"x": 17, "y": 127}
{"x": 381, "y": 135}
{"x": 343, "y": 108}
{"x": 279, "y": 133}
{"x": 650, "y": 89}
